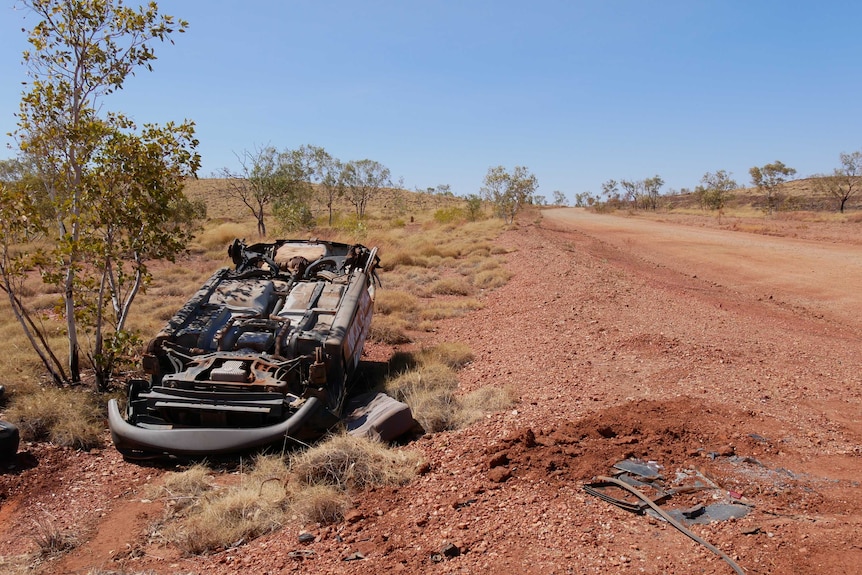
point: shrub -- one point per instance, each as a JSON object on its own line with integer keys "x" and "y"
{"x": 448, "y": 215}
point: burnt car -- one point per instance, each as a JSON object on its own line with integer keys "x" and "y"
{"x": 264, "y": 351}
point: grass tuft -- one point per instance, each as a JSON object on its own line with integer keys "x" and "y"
{"x": 68, "y": 418}
{"x": 349, "y": 462}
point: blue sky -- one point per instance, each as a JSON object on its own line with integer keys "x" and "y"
{"x": 439, "y": 91}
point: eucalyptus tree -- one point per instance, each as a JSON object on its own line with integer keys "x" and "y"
{"x": 843, "y": 183}
{"x": 362, "y": 181}
{"x": 509, "y": 192}
{"x": 715, "y": 189}
{"x": 93, "y": 165}
{"x": 769, "y": 180}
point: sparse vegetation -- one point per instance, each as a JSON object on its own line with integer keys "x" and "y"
{"x": 70, "y": 418}
{"x": 314, "y": 487}
{"x": 429, "y": 385}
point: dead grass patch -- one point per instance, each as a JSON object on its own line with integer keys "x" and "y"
{"x": 483, "y": 401}
{"x": 395, "y": 301}
{"x": 353, "y": 463}
{"x": 70, "y": 418}
{"x": 454, "y": 355}
{"x": 17, "y": 564}
{"x": 389, "y": 330}
{"x": 212, "y": 518}
{"x": 493, "y": 278}
{"x": 324, "y": 504}
{"x": 53, "y": 541}
{"x": 428, "y": 383}
{"x": 313, "y": 487}
{"x": 223, "y": 234}
{"x": 451, "y": 286}
{"x": 444, "y": 309}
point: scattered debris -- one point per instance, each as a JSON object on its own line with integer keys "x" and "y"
{"x": 639, "y": 488}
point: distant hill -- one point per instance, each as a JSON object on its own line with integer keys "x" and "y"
{"x": 222, "y": 207}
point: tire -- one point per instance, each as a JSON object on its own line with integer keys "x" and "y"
{"x": 8, "y": 441}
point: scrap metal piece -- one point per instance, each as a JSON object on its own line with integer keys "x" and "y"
{"x": 639, "y": 468}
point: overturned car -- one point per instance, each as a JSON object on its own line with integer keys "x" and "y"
{"x": 262, "y": 352}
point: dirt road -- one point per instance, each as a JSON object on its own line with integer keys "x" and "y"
{"x": 824, "y": 278}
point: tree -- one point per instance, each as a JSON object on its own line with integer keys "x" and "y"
{"x": 652, "y": 189}
{"x": 611, "y": 192}
{"x": 560, "y": 198}
{"x": 509, "y": 192}
{"x": 325, "y": 172}
{"x": 843, "y": 183}
{"x": 640, "y": 193}
{"x": 82, "y": 51}
{"x": 257, "y": 183}
{"x": 474, "y": 207}
{"x": 19, "y": 222}
{"x": 584, "y": 199}
{"x": 715, "y": 189}
{"x": 362, "y": 181}
{"x": 769, "y": 179}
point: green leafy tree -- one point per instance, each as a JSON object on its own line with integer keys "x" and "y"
{"x": 295, "y": 172}
{"x": 769, "y": 179}
{"x": 19, "y": 223}
{"x": 641, "y": 194}
{"x": 324, "y": 172}
{"x": 509, "y": 192}
{"x": 652, "y": 191}
{"x": 715, "y": 189}
{"x": 82, "y": 51}
{"x": 362, "y": 181}
{"x": 474, "y": 207}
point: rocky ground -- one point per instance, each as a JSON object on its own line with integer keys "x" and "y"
{"x": 622, "y": 346}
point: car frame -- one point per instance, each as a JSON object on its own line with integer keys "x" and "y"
{"x": 262, "y": 352}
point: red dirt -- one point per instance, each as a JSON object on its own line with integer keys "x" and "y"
{"x": 725, "y": 353}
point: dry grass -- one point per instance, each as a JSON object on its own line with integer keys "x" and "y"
{"x": 220, "y": 236}
{"x": 389, "y": 330}
{"x": 490, "y": 279}
{"x": 428, "y": 383}
{"x": 454, "y": 355}
{"x": 353, "y": 463}
{"x": 52, "y": 541}
{"x": 451, "y": 286}
{"x": 211, "y": 518}
{"x": 314, "y": 488}
{"x": 70, "y": 418}
{"x": 389, "y": 302}
{"x": 323, "y": 504}
{"x": 18, "y": 564}
{"x": 485, "y": 400}
{"x": 429, "y": 390}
